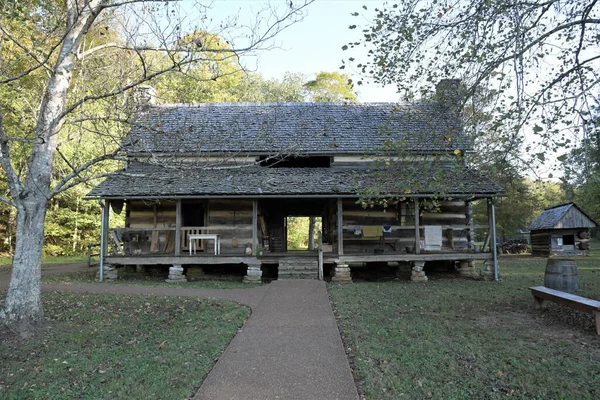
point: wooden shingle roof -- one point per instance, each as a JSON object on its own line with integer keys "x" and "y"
{"x": 307, "y": 128}
{"x": 564, "y": 216}
{"x": 158, "y": 181}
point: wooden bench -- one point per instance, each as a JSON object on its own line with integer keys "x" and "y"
{"x": 541, "y": 294}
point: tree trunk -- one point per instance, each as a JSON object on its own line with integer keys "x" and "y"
{"x": 76, "y": 230}
{"x": 23, "y": 304}
{"x": 311, "y": 233}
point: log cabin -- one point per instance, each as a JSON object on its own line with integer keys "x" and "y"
{"x": 561, "y": 230}
{"x": 214, "y": 184}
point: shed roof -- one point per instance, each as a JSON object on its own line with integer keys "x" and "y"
{"x": 564, "y": 216}
{"x": 158, "y": 181}
{"x": 324, "y": 128}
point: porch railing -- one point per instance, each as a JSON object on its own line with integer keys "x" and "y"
{"x": 134, "y": 241}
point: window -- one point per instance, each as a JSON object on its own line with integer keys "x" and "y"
{"x": 192, "y": 214}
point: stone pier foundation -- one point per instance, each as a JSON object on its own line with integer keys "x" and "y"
{"x": 467, "y": 269}
{"x": 341, "y": 274}
{"x": 417, "y": 274}
{"x": 110, "y": 273}
{"x": 176, "y": 274}
{"x": 254, "y": 274}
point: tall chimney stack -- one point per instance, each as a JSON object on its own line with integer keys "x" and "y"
{"x": 144, "y": 96}
{"x": 449, "y": 93}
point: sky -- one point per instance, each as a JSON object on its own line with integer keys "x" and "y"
{"x": 313, "y": 44}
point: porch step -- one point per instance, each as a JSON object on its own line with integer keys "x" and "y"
{"x": 298, "y": 268}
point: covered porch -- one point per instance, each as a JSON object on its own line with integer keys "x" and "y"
{"x": 253, "y": 232}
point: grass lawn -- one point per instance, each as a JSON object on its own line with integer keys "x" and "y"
{"x": 455, "y": 338}
{"x": 116, "y": 346}
{"x": 6, "y": 261}
{"x": 134, "y": 279}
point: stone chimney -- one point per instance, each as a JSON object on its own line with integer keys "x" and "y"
{"x": 144, "y": 96}
{"x": 449, "y": 93}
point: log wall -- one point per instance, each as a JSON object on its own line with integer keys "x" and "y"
{"x": 453, "y": 217}
{"x": 231, "y": 218}
{"x": 541, "y": 242}
{"x": 147, "y": 215}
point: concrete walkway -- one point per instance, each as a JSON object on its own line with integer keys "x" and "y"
{"x": 289, "y": 348}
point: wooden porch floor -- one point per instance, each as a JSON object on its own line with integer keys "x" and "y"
{"x": 274, "y": 258}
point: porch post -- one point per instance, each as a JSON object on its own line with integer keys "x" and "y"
{"x": 254, "y": 226}
{"x": 103, "y": 237}
{"x": 340, "y": 230}
{"x": 493, "y": 233}
{"x": 178, "y": 227}
{"x": 105, "y": 226}
{"x": 491, "y": 266}
{"x": 417, "y": 229}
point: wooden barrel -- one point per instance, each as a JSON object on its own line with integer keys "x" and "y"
{"x": 561, "y": 274}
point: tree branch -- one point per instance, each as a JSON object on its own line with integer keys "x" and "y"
{"x": 76, "y": 171}
{"x": 40, "y": 62}
{"x": 11, "y": 176}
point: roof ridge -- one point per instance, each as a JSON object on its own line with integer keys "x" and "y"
{"x": 281, "y": 104}
{"x": 560, "y": 205}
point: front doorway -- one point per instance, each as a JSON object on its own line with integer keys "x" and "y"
{"x": 302, "y": 232}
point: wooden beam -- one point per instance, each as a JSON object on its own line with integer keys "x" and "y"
{"x": 417, "y": 229}
{"x": 254, "y": 226}
{"x": 203, "y": 260}
{"x": 340, "y": 224}
{"x": 320, "y": 256}
{"x": 178, "y": 224}
{"x": 105, "y": 227}
{"x": 182, "y": 260}
{"x": 454, "y": 256}
{"x": 493, "y": 236}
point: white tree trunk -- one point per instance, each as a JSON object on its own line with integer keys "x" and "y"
{"x": 311, "y": 233}
{"x": 23, "y": 305}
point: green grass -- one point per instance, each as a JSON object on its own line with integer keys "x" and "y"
{"x": 455, "y": 338}
{"x": 132, "y": 279}
{"x": 60, "y": 260}
{"x": 115, "y": 346}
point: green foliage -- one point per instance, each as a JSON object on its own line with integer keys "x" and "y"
{"x": 254, "y": 88}
{"x": 331, "y": 87}
{"x": 118, "y": 346}
{"x": 298, "y": 231}
{"x": 582, "y": 168}
{"x": 525, "y": 200}
{"x": 536, "y": 61}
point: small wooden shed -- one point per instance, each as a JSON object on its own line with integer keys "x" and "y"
{"x": 561, "y": 230}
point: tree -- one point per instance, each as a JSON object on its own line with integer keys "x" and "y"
{"x": 254, "y": 88}
{"x": 582, "y": 168}
{"x": 331, "y": 87}
{"x": 538, "y": 59}
{"x": 51, "y": 42}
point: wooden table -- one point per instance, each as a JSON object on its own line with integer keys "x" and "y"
{"x": 207, "y": 236}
